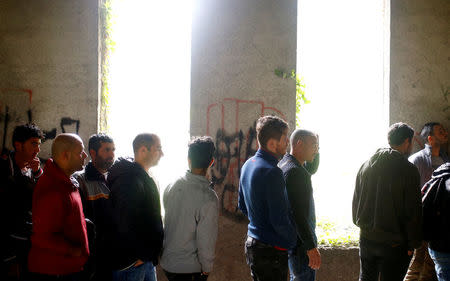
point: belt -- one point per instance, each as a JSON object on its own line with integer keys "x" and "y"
{"x": 256, "y": 241}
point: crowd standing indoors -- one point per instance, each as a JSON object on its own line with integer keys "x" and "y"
{"x": 103, "y": 221}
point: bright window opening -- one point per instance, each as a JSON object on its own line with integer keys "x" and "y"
{"x": 150, "y": 79}
{"x": 343, "y": 59}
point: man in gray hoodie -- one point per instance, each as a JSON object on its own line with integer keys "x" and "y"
{"x": 190, "y": 221}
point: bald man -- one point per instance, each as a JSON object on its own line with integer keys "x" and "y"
{"x": 59, "y": 244}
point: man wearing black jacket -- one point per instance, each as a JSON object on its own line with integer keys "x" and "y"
{"x": 136, "y": 211}
{"x": 305, "y": 258}
{"x": 436, "y": 219}
{"x": 387, "y": 208}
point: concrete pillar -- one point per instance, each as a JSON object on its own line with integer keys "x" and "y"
{"x": 420, "y": 62}
{"x": 236, "y": 46}
{"x": 49, "y": 67}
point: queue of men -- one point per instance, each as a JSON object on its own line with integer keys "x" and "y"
{"x": 102, "y": 221}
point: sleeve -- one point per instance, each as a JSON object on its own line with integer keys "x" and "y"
{"x": 278, "y": 207}
{"x": 313, "y": 166}
{"x": 413, "y": 209}
{"x": 207, "y": 233}
{"x": 299, "y": 199}
{"x": 241, "y": 200}
{"x": 48, "y": 223}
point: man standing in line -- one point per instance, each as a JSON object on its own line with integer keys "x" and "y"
{"x": 96, "y": 206}
{"x": 191, "y": 218}
{"x": 427, "y": 160}
{"x": 387, "y": 208}
{"x": 137, "y": 233}
{"x": 263, "y": 199}
{"x": 19, "y": 172}
{"x": 436, "y": 219}
{"x": 305, "y": 258}
{"x": 59, "y": 244}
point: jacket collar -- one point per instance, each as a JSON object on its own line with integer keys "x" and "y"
{"x": 196, "y": 178}
{"x": 266, "y": 155}
{"x": 92, "y": 174}
{"x": 53, "y": 171}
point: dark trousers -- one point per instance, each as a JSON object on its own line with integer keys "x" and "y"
{"x": 266, "y": 263}
{"x": 185, "y": 276}
{"x": 389, "y": 262}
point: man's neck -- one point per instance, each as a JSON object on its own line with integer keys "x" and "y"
{"x": 142, "y": 164}
{"x": 435, "y": 149}
{"x": 298, "y": 157}
{"x": 100, "y": 170}
{"x": 66, "y": 172}
{"x": 199, "y": 172}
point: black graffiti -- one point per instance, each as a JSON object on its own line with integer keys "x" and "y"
{"x": 8, "y": 117}
{"x": 230, "y": 148}
{"x": 65, "y": 121}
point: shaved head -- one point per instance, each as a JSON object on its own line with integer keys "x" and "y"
{"x": 64, "y": 143}
{"x": 300, "y": 134}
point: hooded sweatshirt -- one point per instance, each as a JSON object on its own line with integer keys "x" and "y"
{"x": 386, "y": 202}
{"x": 137, "y": 231}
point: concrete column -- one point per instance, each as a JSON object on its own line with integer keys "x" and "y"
{"x": 420, "y": 62}
{"x": 236, "y": 46}
{"x": 49, "y": 67}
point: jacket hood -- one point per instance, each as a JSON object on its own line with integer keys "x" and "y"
{"x": 121, "y": 167}
{"x": 385, "y": 154}
{"x": 441, "y": 171}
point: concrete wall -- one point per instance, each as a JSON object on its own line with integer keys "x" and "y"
{"x": 49, "y": 66}
{"x": 236, "y": 46}
{"x": 420, "y": 62}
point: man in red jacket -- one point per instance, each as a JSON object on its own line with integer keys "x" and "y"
{"x": 59, "y": 244}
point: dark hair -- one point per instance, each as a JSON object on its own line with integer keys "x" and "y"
{"x": 22, "y": 133}
{"x": 399, "y": 132}
{"x": 427, "y": 130}
{"x": 145, "y": 139}
{"x": 270, "y": 127}
{"x": 201, "y": 151}
{"x": 95, "y": 141}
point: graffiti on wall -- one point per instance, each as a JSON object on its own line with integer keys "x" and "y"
{"x": 233, "y": 125}
{"x": 16, "y": 109}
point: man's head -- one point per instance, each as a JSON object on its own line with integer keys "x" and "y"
{"x": 304, "y": 145}
{"x": 26, "y": 140}
{"x": 101, "y": 149}
{"x": 400, "y": 137}
{"x": 271, "y": 132}
{"x": 147, "y": 150}
{"x": 68, "y": 153}
{"x": 200, "y": 153}
{"x": 434, "y": 134}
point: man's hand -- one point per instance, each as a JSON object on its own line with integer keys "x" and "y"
{"x": 314, "y": 258}
{"x": 34, "y": 164}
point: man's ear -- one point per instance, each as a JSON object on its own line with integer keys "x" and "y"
{"x": 17, "y": 146}
{"x": 92, "y": 153}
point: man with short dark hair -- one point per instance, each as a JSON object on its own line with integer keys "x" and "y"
{"x": 427, "y": 160}
{"x": 305, "y": 258}
{"x": 263, "y": 199}
{"x": 59, "y": 243}
{"x": 94, "y": 195}
{"x": 190, "y": 220}
{"x": 137, "y": 232}
{"x": 387, "y": 208}
{"x": 19, "y": 172}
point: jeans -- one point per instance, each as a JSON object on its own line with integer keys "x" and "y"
{"x": 390, "y": 263}
{"x": 266, "y": 263}
{"x": 298, "y": 266}
{"x": 143, "y": 272}
{"x": 441, "y": 263}
{"x": 198, "y": 276}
